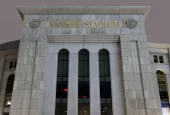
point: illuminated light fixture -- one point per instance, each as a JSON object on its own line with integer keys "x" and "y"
{"x": 105, "y": 108}
{"x": 65, "y": 90}
{"x": 103, "y": 111}
{"x": 84, "y": 111}
{"x": 84, "y": 97}
{"x": 8, "y": 103}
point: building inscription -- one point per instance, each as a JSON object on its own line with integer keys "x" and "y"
{"x": 84, "y": 24}
{"x": 130, "y": 23}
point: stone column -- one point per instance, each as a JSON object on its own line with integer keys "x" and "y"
{"x": 118, "y": 98}
{"x": 21, "y": 98}
{"x": 94, "y": 85}
{"x": 50, "y": 81}
{"x": 72, "y": 105}
{"x": 141, "y": 90}
{"x": 28, "y": 88}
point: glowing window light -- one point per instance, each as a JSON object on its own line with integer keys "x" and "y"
{"x": 8, "y": 103}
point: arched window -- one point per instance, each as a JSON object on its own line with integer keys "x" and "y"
{"x": 162, "y": 85}
{"x": 8, "y": 92}
{"x": 62, "y": 83}
{"x": 83, "y": 83}
{"x": 10, "y": 83}
{"x": 105, "y": 83}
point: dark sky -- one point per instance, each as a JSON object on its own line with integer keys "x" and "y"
{"x": 157, "y": 22}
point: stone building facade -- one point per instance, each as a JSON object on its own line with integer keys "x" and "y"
{"x": 84, "y": 61}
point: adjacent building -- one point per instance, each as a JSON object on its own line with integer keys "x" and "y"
{"x": 84, "y": 60}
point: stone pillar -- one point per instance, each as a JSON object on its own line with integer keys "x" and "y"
{"x": 94, "y": 85}
{"x": 118, "y": 98}
{"x": 72, "y": 105}
{"x": 29, "y": 80}
{"x": 23, "y": 78}
{"x": 141, "y": 90}
{"x": 50, "y": 81}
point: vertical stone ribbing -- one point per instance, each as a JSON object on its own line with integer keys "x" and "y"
{"x": 94, "y": 85}
{"x": 138, "y": 80}
{"x": 118, "y": 101}
{"x": 72, "y": 105}
{"x": 29, "y": 81}
{"x": 21, "y": 97}
{"x": 50, "y": 83}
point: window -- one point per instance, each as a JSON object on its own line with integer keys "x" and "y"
{"x": 155, "y": 58}
{"x": 7, "y": 102}
{"x": 15, "y": 64}
{"x": 8, "y": 92}
{"x": 162, "y": 86}
{"x": 62, "y": 83}
{"x": 12, "y": 64}
{"x": 158, "y": 59}
{"x": 105, "y": 83}
{"x": 161, "y": 59}
{"x": 83, "y": 83}
{"x": 10, "y": 83}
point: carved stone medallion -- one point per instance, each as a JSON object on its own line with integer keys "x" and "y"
{"x": 35, "y": 23}
{"x": 131, "y": 23}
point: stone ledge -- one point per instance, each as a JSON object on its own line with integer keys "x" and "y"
{"x": 78, "y": 10}
{"x": 83, "y": 38}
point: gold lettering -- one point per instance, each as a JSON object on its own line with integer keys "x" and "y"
{"x": 110, "y": 24}
{"x": 56, "y": 25}
{"x": 86, "y": 24}
{"x": 96, "y": 24}
{"x": 105, "y": 24}
{"x": 100, "y": 24}
{"x": 116, "y": 24}
{"x": 77, "y": 24}
{"x": 67, "y": 24}
{"x": 93, "y": 24}
{"x": 62, "y": 25}
{"x": 51, "y": 25}
{"x": 72, "y": 24}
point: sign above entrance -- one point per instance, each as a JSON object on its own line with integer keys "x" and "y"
{"x": 84, "y": 24}
{"x": 130, "y": 23}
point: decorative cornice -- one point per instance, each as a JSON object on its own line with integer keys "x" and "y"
{"x": 158, "y": 45}
{"x": 79, "y": 10}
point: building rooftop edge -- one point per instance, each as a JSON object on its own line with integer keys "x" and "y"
{"x": 12, "y": 45}
{"x": 75, "y": 10}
